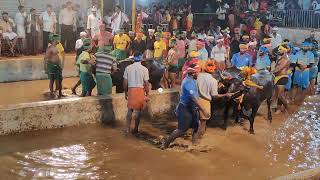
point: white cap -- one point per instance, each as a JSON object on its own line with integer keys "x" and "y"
{"x": 252, "y": 43}
{"x": 94, "y": 9}
{"x": 151, "y": 30}
{"x": 275, "y": 28}
{"x": 83, "y": 33}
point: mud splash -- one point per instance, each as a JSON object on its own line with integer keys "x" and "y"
{"x": 297, "y": 141}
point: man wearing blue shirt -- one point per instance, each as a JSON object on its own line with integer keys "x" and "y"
{"x": 314, "y": 68}
{"x": 305, "y": 60}
{"x": 293, "y": 60}
{"x": 188, "y": 108}
{"x": 263, "y": 60}
{"x": 242, "y": 58}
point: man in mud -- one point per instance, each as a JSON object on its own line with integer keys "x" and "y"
{"x": 54, "y": 60}
{"x": 281, "y": 77}
{"x": 136, "y": 87}
{"x": 187, "y": 110}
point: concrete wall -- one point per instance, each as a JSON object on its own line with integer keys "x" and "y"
{"x": 31, "y": 68}
{"x": 76, "y": 111}
{"x": 297, "y": 35}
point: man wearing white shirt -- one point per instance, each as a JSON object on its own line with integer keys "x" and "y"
{"x": 117, "y": 20}
{"x": 98, "y": 12}
{"x": 67, "y": 22}
{"x": 93, "y": 22}
{"x": 219, "y": 54}
{"x": 21, "y": 32}
{"x": 221, "y": 12}
{"x": 49, "y": 21}
{"x": 276, "y": 38}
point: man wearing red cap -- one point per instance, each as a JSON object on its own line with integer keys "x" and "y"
{"x": 203, "y": 53}
{"x": 187, "y": 110}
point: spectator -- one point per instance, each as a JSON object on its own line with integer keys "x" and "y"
{"x": 157, "y": 19}
{"x": 203, "y": 53}
{"x": 10, "y": 37}
{"x": 93, "y": 22}
{"x": 98, "y": 11}
{"x": 316, "y": 6}
{"x": 254, "y": 6}
{"x": 33, "y": 29}
{"x": 150, "y": 43}
{"x": 264, "y": 6}
{"x": 281, "y": 5}
{"x": 80, "y": 20}
{"x": 242, "y": 58}
{"x": 189, "y": 20}
{"x": 21, "y": 32}
{"x": 276, "y": 38}
{"x": 67, "y": 21}
{"x": 49, "y": 21}
{"x": 159, "y": 47}
{"x": 118, "y": 19}
{"x": 231, "y": 19}
{"x": 138, "y": 45}
{"x": 121, "y": 43}
{"x": 107, "y": 18}
{"x": 221, "y": 12}
{"x": 103, "y": 39}
{"x": 219, "y": 54}
{"x": 306, "y": 4}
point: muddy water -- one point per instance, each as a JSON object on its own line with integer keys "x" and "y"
{"x": 98, "y": 152}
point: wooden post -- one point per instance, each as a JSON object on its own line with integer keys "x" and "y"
{"x": 133, "y": 15}
{"x": 102, "y": 7}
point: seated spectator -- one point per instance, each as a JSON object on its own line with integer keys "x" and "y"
{"x": 10, "y": 38}
{"x": 254, "y": 6}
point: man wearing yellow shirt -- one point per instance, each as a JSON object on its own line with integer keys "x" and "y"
{"x": 121, "y": 43}
{"x": 159, "y": 47}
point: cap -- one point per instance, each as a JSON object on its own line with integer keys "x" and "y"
{"x": 243, "y": 46}
{"x": 93, "y": 9}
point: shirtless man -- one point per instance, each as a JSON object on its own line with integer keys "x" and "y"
{"x": 54, "y": 60}
{"x": 281, "y": 79}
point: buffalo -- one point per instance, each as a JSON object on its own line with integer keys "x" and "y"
{"x": 252, "y": 97}
{"x": 156, "y": 71}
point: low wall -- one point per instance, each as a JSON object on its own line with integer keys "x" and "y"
{"x": 297, "y": 35}
{"x": 312, "y": 174}
{"x": 31, "y": 68}
{"x": 76, "y": 111}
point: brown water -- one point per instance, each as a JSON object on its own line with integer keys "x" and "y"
{"x": 99, "y": 152}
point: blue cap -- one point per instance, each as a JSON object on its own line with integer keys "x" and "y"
{"x": 305, "y": 44}
{"x": 264, "y": 49}
{"x": 137, "y": 58}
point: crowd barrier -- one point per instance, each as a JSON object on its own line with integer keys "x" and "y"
{"x": 298, "y": 18}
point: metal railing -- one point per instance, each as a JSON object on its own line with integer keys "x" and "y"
{"x": 298, "y": 18}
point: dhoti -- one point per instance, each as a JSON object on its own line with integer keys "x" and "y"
{"x": 136, "y": 98}
{"x": 206, "y": 105}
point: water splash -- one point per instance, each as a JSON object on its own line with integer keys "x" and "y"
{"x": 297, "y": 141}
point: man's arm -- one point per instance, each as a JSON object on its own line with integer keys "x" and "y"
{"x": 125, "y": 87}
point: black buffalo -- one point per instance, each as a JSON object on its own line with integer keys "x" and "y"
{"x": 156, "y": 71}
{"x": 252, "y": 97}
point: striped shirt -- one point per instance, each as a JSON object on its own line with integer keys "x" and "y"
{"x": 105, "y": 63}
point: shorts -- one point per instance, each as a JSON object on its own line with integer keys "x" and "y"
{"x": 282, "y": 80}
{"x": 187, "y": 118}
{"x": 87, "y": 82}
{"x": 54, "y": 71}
{"x": 181, "y": 62}
{"x": 173, "y": 69}
{"x": 313, "y": 73}
{"x": 302, "y": 79}
{"x": 289, "y": 83}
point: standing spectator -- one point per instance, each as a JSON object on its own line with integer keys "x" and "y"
{"x": 221, "y": 12}
{"x": 10, "y": 37}
{"x": 159, "y": 47}
{"x": 203, "y": 53}
{"x": 150, "y": 43}
{"x": 189, "y": 20}
{"x": 219, "y": 54}
{"x": 49, "y": 21}
{"x": 138, "y": 45}
{"x": 254, "y": 5}
{"x": 95, "y": 4}
{"x": 306, "y": 4}
{"x": 281, "y": 5}
{"x": 80, "y": 20}
{"x": 121, "y": 43}
{"x": 231, "y": 19}
{"x": 172, "y": 64}
{"x": 118, "y": 19}
{"x": 21, "y": 29}
{"x": 67, "y": 21}
{"x": 107, "y": 18}
{"x": 33, "y": 29}
{"x": 276, "y": 38}
{"x": 157, "y": 19}
{"x": 93, "y": 22}
{"x": 264, "y": 6}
